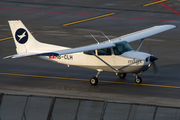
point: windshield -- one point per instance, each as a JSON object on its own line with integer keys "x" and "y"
{"x": 122, "y": 47}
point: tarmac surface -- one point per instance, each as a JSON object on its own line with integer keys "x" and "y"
{"x": 47, "y": 19}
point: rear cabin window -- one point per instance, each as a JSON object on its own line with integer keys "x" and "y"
{"x": 105, "y": 51}
{"x": 89, "y": 52}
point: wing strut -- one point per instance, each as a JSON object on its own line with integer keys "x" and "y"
{"x": 140, "y": 44}
{"x": 105, "y": 62}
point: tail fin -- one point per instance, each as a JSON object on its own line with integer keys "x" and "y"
{"x": 27, "y": 45}
{"x": 23, "y": 39}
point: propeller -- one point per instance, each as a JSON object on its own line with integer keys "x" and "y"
{"x": 155, "y": 69}
{"x": 152, "y": 58}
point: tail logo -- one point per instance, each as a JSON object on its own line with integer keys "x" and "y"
{"x": 21, "y": 36}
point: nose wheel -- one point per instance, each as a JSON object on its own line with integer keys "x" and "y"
{"x": 138, "y": 79}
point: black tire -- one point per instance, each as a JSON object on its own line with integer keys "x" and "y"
{"x": 138, "y": 80}
{"x": 122, "y": 75}
{"x": 94, "y": 80}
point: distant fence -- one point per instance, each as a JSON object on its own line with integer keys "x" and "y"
{"x": 27, "y": 107}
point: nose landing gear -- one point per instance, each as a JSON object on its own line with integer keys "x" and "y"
{"x": 138, "y": 79}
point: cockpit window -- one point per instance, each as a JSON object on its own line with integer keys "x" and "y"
{"x": 105, "y": 51}
{"x": 122, "y": 47}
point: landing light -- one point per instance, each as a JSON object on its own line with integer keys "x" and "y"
{"x": 149, "y": 65}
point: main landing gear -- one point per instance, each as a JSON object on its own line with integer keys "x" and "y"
{"x": 94, "y": 79}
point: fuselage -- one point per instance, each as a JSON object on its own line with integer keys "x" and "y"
{"x": 128, "y": 62}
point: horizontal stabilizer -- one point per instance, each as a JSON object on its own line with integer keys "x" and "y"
{"x": 31, "y": 54}
{"x": 20, "y": 55}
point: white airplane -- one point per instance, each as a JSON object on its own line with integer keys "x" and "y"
{"x": 114, "y": 55}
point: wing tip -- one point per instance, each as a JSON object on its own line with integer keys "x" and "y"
{"x": 8, "y": 57}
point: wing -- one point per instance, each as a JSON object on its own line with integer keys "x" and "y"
{"x": 143, "y": 33}
{"x": 129, "y": 38}
{"x": 84, "y": 48}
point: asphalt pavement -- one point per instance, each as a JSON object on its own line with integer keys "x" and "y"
{"x": 47, "y": 19}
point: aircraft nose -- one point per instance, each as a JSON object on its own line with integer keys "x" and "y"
{"x": 152, "y": 58}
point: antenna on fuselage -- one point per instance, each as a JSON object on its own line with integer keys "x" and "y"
{"x": 106, "y": 36}
{"x": 95, "y": 38}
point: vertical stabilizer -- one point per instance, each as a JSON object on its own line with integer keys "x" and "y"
{"x": 23, "y": 39}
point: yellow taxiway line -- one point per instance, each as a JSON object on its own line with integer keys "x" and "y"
{"x": 77, "y": 79}
{"x": 38, "y": 76}
{"x": 10, "y": 37}
{"x": 6, "y": 38}
{"x": 154, "y": 2}
{"x": 88, "y": 19}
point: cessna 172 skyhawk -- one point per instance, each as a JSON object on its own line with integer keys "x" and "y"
{"x": 114, "y": 55}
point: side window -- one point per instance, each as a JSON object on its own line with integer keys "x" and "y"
{"x": 106, "y": 51}
{"x": 89, "y": 52}
{"x": 116, "y": 51}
